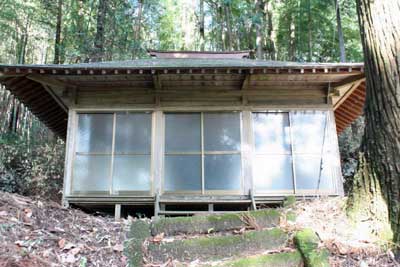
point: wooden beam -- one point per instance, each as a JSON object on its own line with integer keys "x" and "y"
{"x": 246, "y": 82}
{"x": 354, "y": 86}
{"x": 157, "y": 81}
{"x": 50, "y": 81}
{"x": 55, "y": 97}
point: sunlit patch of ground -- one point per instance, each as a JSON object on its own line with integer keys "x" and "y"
{"x": 350, "y": 244}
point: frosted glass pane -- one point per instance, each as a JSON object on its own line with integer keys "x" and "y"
{"x": 221, "y": 131}
{"x": 271, "y": 132}
{"x": 131, "y": 173}
{"x": 94, "y": 133}
{"x": 222, "y": 172}
{"x": 91, "y": 173}
{"x": 182, "y": 132}
{"x": 182, "y": 173}
{"x": 133, "y": 133}
{"x": 273, "y": 173}
{"x": 308, "y": 131}
{"x": 308, "y": 173}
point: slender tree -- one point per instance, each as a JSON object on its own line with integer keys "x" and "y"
{"x": 340, "y": 32}
{"x": 379, "y": 171}
{"x": 310, "y": 29}
{"x": 270, "y": 34}
{"x": 57, "y": 41}
{"x": 98, "y": 51}
{"x": 137, "y": 29}
{"x": 201, "y": 25}
{"x": 259, "y": 25}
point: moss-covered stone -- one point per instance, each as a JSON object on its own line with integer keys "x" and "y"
{"x": 206, "y": 248}
{"x": 214, "y": 223}
{"x": 133, "y": 247}
{"x": 287, "y": 259}
{"x": 290, "y": 216}
{"x": 289, "y": 201}
{"x": 140, "y": 229}
{"x": 134, "y": 252}
{"x": 307, "y": 242}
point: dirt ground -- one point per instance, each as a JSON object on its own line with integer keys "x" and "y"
{"x": 40, "y": 233}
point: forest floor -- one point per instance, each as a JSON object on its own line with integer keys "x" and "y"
{"x": 349, "y": 244}
{"x": 40, "y": 233}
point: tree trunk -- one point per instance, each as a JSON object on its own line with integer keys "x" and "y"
{"x": 380, "y": 32}
{"x": 270, "y": 31}
{"x": 57, "y": 43}
{"x": 98, "y": 51}
{"x": 201, "y": 26}
{"x": 292, "y": 38}
{"x": 340, "y": 33}
{"x": 229, "y": 39}
{"x": 310, "y": 29}
{"x": 259, "y": 25}
{"x": 137, "y": 29}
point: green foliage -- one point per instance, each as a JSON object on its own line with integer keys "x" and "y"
{"x": 31, "y": 168}
{"x": 27, "y": 28}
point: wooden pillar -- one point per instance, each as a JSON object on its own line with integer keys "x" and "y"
{"x": 211, "y": 207}
{"x": 117, "y": 213}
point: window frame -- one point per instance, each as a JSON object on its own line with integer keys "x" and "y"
{"x": 202, "y": 155}
{"x": 111, "y": 192}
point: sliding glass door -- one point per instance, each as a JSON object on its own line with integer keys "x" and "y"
{"x": 272, "y": 161}
{"x": 292, "y": 152}
{"x": 202, "y": 152}
{"x": 112, "y": 154}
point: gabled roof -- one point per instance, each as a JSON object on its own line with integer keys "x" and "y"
{"x": 32, "y": 84}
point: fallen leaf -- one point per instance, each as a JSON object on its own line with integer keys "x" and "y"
{"x": 118, "y": 247}
{"x": 20, "y": 243}
{"x": 158, "y": 238}
{"x": 68, "y": 246}
{"x": 28, "y": 212}
{"x": 240, "y": 232}
{"x": 68, "y": 258}
{"x": 61, "y": 243}
{"x": 75, "y": 251}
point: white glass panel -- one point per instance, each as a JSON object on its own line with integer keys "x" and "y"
{"x": 221, "y": 131}
{"x": 182, "y": 132}
{"x": 222, "y": 172}
{"x": 94, "y": 133}
{"x": 308, "y": 131}
{"x": 308, "y": 172}
{"x": 91, "y": 173}
{"x": 273, "y": 173}
{"x": 271, "y": 133}
{"x": 182, "y": 173}
{"x": 131, "y": 173}
{"x": 133, "y": 133}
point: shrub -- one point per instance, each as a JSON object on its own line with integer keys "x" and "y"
{"x": 33, "y": 168}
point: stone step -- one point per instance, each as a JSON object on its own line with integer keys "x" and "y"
{"x": 218, "y": 247}
{"x": 284, "y": 259}
{"x": 215, "y": 223}
{"x": 193, "y": 212}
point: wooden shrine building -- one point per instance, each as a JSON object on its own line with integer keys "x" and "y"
{"x": 200, "y": 128}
